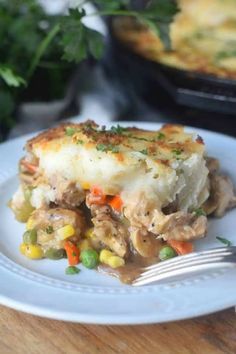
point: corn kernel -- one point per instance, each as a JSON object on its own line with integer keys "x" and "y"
{"x": 115, "y": 262}
{"x": 33, "y": 252}
{"x": 85, "y": 185}
{"x": 89, "y": 233}
{"x": 30, "y": 223}
{"x": 23, "y": 248}
{"x": 105, "y": 255}
{"x": 66, "y": 231}
{"x": 84, "y": 245}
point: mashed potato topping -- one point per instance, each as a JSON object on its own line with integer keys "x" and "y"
{"x": 163, "y": 164}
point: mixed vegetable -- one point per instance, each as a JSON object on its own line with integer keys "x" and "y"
{"x": 51, "y": 236}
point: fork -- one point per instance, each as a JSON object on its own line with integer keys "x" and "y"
{"x": 220, "y": 257}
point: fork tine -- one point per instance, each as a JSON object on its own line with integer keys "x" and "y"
{"x": 165, "y": 266}
{"x": 184, "y": 265}
{"x": 178, "y": 272}
{"x": 213, "y": 251}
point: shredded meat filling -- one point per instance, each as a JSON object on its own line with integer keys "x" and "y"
{"x": 108, "y": 231}
{"x": 222, "y": 194}
{"x": 182, "y": 226}
{"x": 68, "y": 194}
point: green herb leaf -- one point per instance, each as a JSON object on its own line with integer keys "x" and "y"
{"x": 118, "y": 129}
{"x": 107, "y": 147}
{"x": 158, "y": 15}
{"x": 224, "y": 241}
{"x": 101, "y": 147}
{"x": 144, "y": 152}
{"x": 95, "y": 43}
{"x": 199, "y": 212}
{"x": 70, "y": 131}
{"x": 112, "y": 5}
{"x": 78, "y": 40}
{"x": 79, "y": 142}
{"x": 225, "y": 54}
{"x": 163, "y": 10}
{"x": 49, "y": 229}
{"x": 161, "y": 136}
{"x": 177, "y": 152}
{"x": 71, "y": 270}
{"x": 114, "y": 149}
{"x": 73, "y": 38}
{"x": 10, "y": 78}
{"x": 138, "y": 138}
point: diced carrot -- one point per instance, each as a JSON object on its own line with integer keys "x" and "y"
{"x": 72, "y": 252}
{"x": 29, "y": 166}
{"x": 96, "y": 190}
{"x": 116, "y": 203}
{"x": 97, "y": 196}
{"x": 181, "y": 247}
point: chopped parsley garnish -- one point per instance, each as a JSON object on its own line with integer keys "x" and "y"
{"x": 101, "y": 147}
{"x": 137, "y": 138}
{"x": 161, "y": 136}
{"x": 118, "y": 129}
{"x": 224, "y": 241}
{"x": 70, "y": 131}
{"x": 144, "y": 152}
{"x": 225, "y": 54}
{"x": 115, "y": 149}
{"x": 71, "y": 270}
{"x": 177, "y": 152}
{"x": 107, "y": 147}
{"x": 89, "y": 127}
{"x": 49, "y": 229}
{"x": 79, "y": 142}
{"x": 199, "y": 212}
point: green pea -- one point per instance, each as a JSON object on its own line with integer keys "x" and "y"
{"x": 167, "y": 252}
{"x": 30, "y": 237}
{"x": 89, "y": 258}
{"x": 53, "y": 253}
{"x": 71, "y": 270}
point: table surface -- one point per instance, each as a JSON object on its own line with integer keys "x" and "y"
{"x": 22, "y": 333}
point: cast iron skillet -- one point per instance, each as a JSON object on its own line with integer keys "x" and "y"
{"x": 186, "y": 88}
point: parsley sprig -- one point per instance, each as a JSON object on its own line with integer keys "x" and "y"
{"x": 30, "y": 39}
{"x": 78, "y": 40}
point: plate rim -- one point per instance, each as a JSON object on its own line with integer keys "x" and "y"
{"x": 107, "y": 319}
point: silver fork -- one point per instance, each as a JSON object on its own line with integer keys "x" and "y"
{"x": 220, "y": 257}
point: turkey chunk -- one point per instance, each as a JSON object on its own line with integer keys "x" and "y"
{"x": 182, "y": 226}
{"x": 108, "y": 231}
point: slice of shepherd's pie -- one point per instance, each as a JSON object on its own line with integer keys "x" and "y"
{"x": 117, "y": 198}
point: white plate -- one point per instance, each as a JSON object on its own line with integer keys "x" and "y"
{"x": 42, "y": 288}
